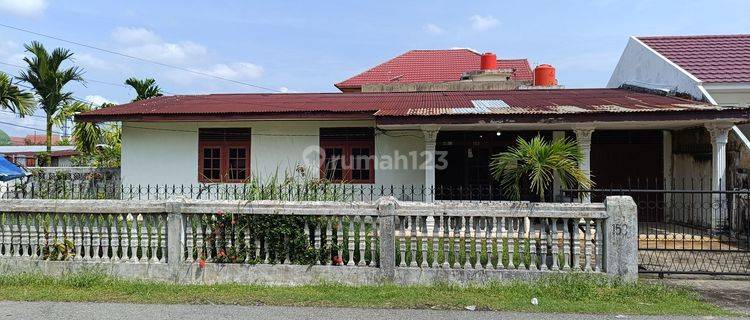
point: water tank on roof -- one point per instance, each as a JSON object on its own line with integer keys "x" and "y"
{"x": 488, "y": 62}
{"x": 544, "y": 75}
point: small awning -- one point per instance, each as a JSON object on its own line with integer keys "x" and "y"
{"x": 10, "y": 171}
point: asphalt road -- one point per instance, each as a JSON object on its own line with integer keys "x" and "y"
{"x": 85, "y": 311}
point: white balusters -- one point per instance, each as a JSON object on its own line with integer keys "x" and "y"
{"x": 566, "y": 244}
{"x": 413, "y": 241}
{"x": 350, "y": 241}
{"x": 95, "y": 231}
{"x": 576, "y": 263}
{"x": 402, "y": 241}
{"x": 446, "y": 242}
{"x": 153, "y": 238}
{"x": 477, "y": 243}
{"x": 24, "y": 236}
{"x": 521, "y": 243}
{"x": 554, "y": 241}
{"x": 587, "y": 243}
{"x": 435, "y": 242}
{"x": 362, "y": 243}
{"x": 423, "y": 241}
{"x": 189, "y": 238}
{"x": 510, "y": 231}
{"x": 543, "y": 238}
{"x": 532, "y": 245}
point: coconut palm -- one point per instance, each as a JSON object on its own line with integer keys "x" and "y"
{"x": 14, "y": 98}
{"x": 539, "y": 161}
{"x": 48, "y": 78}
{"x": 144, "y": 89}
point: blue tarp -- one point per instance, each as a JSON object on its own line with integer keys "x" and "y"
{"x": 10, "y": 171}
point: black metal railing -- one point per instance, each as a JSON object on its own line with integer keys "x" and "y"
{"x": 94, "y": 189}
{"x": 687, "y": 231}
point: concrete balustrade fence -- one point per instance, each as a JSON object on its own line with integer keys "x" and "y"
{"x": 277, "y": 242}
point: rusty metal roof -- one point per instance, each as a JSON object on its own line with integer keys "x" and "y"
{"x": 552, "y": 101}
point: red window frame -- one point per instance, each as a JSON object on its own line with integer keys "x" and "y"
{"x": 224, "y": 159}
{"x": 347, "y": 144}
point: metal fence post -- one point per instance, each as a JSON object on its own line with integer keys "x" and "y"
{"x": 386, "y": 207}
{"x": 621, "y": 238}
{"x": 175, "y": 234}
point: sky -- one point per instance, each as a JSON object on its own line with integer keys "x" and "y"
{"x": 307, "y": 46}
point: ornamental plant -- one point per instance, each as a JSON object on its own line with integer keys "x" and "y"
{"x": 538, "y": 162}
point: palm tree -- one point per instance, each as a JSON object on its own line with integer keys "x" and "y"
{"x": 144, "y": 89}
{"x": 540, "y": 162}
{"x": 85, "y": 134}
{"x": 15, "y": 99}
{"x": 46, "y": 75}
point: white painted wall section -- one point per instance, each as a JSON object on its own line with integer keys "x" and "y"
{"x": 640, "y": 65}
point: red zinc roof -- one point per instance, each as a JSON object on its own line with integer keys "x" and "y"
{"x": 565, "y": 101}
{"x": 432, "y": 66}
{"x": 720, "y": 58}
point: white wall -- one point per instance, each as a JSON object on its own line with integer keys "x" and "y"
{"x": 167, "y": 152}
{"x": 639, "y": 65}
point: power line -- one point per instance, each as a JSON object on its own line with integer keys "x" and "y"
{"x": 27, "y": 127}
{"x": 138, "y": 58}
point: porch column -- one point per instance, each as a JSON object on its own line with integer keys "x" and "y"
{"x": 719, "y": 133}
{"x": 430, "y": 141}
{"x": 583, "y": 136}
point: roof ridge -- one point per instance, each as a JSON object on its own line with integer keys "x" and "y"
{"x": 704, "y": 36}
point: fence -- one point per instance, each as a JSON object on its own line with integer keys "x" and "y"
{"x": 103, "y": 189}
{"x": 684, "y": 231}
{"x": 281, "y": 242}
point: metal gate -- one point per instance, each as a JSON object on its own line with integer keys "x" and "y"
{"x": 690, "y": 231}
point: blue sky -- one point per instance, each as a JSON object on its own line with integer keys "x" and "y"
{"x": 309, "y": 45}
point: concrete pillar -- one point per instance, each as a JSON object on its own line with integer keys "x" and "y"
{"x": 719, "y": 133}
{"x": 667, "y": 173}
{"x": 175, "y": 235}
{"x": 583, "y": 136}
{"x": 621, "y": 238}
{"x": 430, "y": 142}
{"x": 387, "y": 207}
{"x": 556, "y": 187}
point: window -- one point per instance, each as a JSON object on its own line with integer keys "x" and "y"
{"x": 224, "y": 154}
{"x": 348, "y": 154}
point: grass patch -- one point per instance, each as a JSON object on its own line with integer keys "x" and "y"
{"x": 575, "y": 293}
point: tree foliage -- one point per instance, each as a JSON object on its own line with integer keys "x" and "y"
{"x": 14, "y": 98}
{"x": 539, "y": 162}
{"x": 46, "y": 74}
{"x": 144, "y": 88}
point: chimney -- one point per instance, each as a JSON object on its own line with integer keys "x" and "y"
{"x": 488, "y": 62}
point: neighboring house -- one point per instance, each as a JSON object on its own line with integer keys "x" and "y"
{"x": 431, "y": 66}
{"x": 30, "y": 156}
{"x": 711, "y": 68}
{"x": 34, "y": 139}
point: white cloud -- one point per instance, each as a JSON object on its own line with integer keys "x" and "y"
{"x": 92, "y": 62}
{"x": 482, "y": 23}
{"x": 97, "y": 100}
{"x": 24, "y": 8}
{"x": 128, "y": 35}
{"x": 185, "y": 52}
{"x": 433, "y": 29}
{"x": 235, "y": 71}
{"x": 146, "y": 44}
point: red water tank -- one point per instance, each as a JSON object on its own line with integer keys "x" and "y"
{"x": 544, "y": 75}
{"x": 488, "y": 62}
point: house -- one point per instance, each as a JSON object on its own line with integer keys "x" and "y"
{"x": 34, "y": 139}
{"x": 437, "y": 139}
{"x": 710, "y": 68}
{"x": 30, "y": 155}
{"x": 413, "y": 69}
